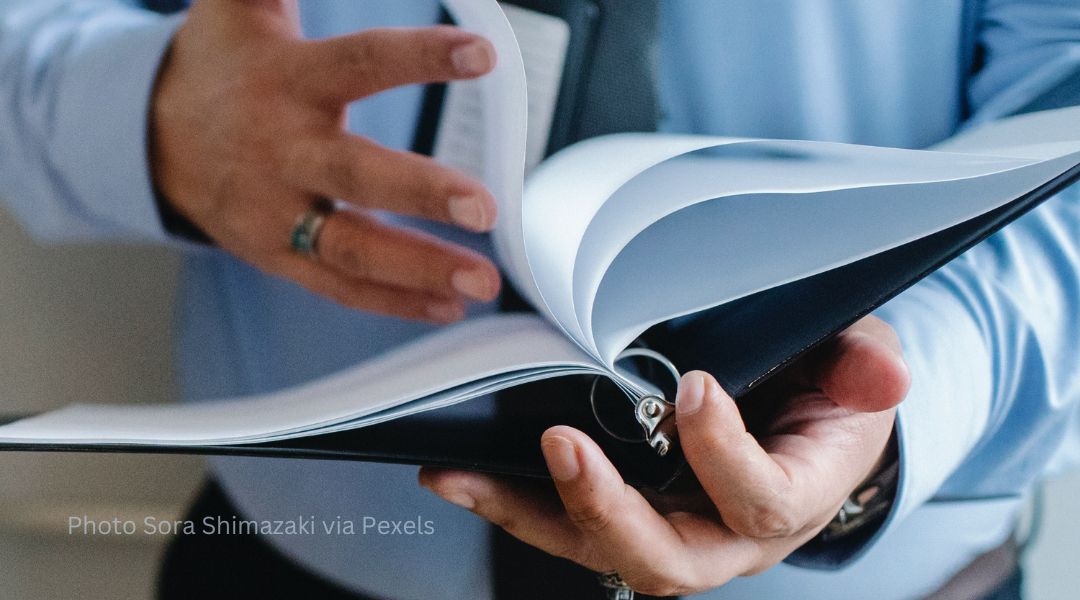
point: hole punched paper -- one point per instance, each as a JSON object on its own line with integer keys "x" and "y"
{"x": 616, "y": 234}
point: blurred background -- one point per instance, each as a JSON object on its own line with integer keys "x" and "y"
{"x": 92, "y": 324}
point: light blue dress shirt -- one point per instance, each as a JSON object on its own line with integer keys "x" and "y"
{"x": 991, "y": 339}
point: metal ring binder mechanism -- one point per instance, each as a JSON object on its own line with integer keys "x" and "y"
{"x": 652, "y": 411}
{"x": 614, "y": 586}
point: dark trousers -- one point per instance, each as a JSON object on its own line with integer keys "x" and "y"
{"x": 235, "y": 567}
{"x": 214, "y": 567}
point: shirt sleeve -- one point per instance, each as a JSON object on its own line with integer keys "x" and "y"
{"x": 990, "y": 338}
{"x": 1028, "y": 58}
{"x": 75, "y": 86}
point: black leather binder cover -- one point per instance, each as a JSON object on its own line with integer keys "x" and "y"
{"x": 761, "y": 334}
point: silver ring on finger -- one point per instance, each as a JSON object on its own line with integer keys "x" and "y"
{"x": 304, "y": 238}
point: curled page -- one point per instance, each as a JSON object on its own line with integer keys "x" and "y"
{"x": 453, "y": 365}
{"x": 565, "y": 194}
{"x": 813, "y": 207}
{"x": 504, "y": 108}
{"x": 626, "y": 231}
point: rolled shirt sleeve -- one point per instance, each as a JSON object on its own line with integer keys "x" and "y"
{"x": 991, "y": 343}
{"x": 76, "y": 80}
{"x": 991, "y": 338}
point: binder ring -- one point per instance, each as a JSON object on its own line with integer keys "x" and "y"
{"x": 637, "y": 352}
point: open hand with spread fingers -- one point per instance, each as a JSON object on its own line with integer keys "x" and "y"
{"x": 249, "y": 145}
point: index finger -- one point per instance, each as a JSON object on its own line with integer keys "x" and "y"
{"x": 368, "y": 175}
{"x": 603, "y": 524}
{"x": 663, "y": 556}
{"x": 355, "y": 66}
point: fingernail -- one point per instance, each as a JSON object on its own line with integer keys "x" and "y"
{"x": 561, "y": 458}
{"x": 474, "y": 283}
{"x": 691, "y": 394}
{"x": 469, "y": 212}
{"x": 445, "y": 312}
{"x": 472, "y": 59}
{"x": 458, "y": 497}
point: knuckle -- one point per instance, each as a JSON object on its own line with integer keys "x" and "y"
{"x": 504, "y": 520}
{"x": 234, "y": 225}
{"x": 767, "y": 520}
{"x": 759, "y": 560}
{"x": 568, "y": 549}
{"x": 435, "y": 188}
{"x": 348, "y": 247}
{"x": 352, "y": 259}
{"x": 339, "y": 294}
{"x": 362, "y": 300}
{"x": 361, "y": 58}
{"x": 276, "y": 66}
{"x": 405, "y": 306}
{"x": 435, "y": 48}
{"x": 402, "y": 309}
{"x": 436, "y": 277}
{"x": 343, "y": 174}
{"x": 298, "y": 160}
{"x": 590, "y": 517}
{"x": 658, "y": 584}
{"x": 758, "y": 569}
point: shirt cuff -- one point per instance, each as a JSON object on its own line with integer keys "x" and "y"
{"x": 945, "y": 412}
{"x": 952, "y": 384}
{"x": 99, "y": 144}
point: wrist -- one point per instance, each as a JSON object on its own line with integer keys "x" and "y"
{"x": 869, "y": 503}
{"x": 160, "y": 154}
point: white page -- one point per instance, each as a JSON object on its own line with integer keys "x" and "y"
{"x": 586, "y": 203}
{"x": 543, "y": 41}
{"x": 475, "y": 389}
{"x": 1033, "y": 135}
{"x": 505, "y": 125}
{"x": 719, "y": 250}
{"x": 797, "y": 169}
{"x": 565, "y": 193}
{"x": 475, "y": 353}
{"x": 581, "y": 207}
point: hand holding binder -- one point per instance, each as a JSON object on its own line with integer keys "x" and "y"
{"x": 755, "y": 498}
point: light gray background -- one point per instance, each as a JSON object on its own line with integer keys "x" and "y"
{"x": 92, "y": 324}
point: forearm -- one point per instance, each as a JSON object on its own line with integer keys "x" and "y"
{"x": 990, "y": 338}
{"x": 75, "y": 85}
{"x": 1012, "y": 310}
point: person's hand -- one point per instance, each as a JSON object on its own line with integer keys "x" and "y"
{"x": 248, "y": 130}
{"x": 813, "y": 436}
